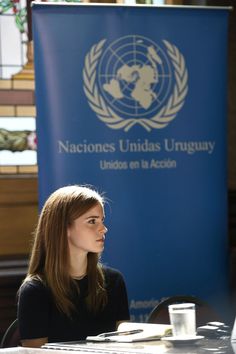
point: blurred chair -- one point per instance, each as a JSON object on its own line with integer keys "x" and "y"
{"x": 204, "y": 312}
{"x": 11, "y": 338}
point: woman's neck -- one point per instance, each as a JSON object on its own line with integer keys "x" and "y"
{"x": 78, "y": 266}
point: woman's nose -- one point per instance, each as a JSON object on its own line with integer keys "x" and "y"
{"x": 104, "y": 229}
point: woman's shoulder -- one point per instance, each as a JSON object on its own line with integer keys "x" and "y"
{"x": 112, "y": 272}
{"x": 32, "y": 285}
{"x": 114, "y": 282}
{"x": 33, "y": 297}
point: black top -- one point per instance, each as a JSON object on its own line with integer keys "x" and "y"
{"x": 39, "y": 317}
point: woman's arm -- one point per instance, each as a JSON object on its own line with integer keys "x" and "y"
{"x": 34, "y": 343}
{"x": 33, "y": 314}
{"x": 119, "y": 322}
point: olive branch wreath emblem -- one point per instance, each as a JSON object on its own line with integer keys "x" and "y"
{"x": 114, "y": 121}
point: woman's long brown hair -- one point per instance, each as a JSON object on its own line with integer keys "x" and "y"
{"x": 50, "y": 261}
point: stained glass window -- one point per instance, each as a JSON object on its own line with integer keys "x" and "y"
{"x": 17, "y": 105}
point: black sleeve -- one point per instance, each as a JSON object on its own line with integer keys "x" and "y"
{"x": 33, "y": 310}
{"x": 123, "y": 307}
{"x": 117, "y": 294}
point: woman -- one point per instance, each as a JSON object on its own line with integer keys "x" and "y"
{"x": 68, "y": 294}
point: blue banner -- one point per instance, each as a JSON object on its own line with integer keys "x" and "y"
{"x": 132, "y": 99}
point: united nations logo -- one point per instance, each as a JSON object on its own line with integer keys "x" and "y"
{"x": 135, "y": 81}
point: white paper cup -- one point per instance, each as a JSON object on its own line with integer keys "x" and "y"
{"x": 183, "y": 319}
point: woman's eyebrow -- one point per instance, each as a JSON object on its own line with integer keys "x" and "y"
{"x": 95, "y": 217}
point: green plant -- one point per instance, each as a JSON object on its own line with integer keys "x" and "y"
{"x": 19, "y": 12}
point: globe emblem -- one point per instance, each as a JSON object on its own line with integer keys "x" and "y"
{"x": 134, "y": 77}
{"x": 134, "y": 82}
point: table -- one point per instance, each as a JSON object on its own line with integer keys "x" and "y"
{"x": 203, "y": 346}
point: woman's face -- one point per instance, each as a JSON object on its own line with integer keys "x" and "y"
{"x": 87, "y": 233}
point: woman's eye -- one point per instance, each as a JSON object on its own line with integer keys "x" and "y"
{"x": 92, "y": 221}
